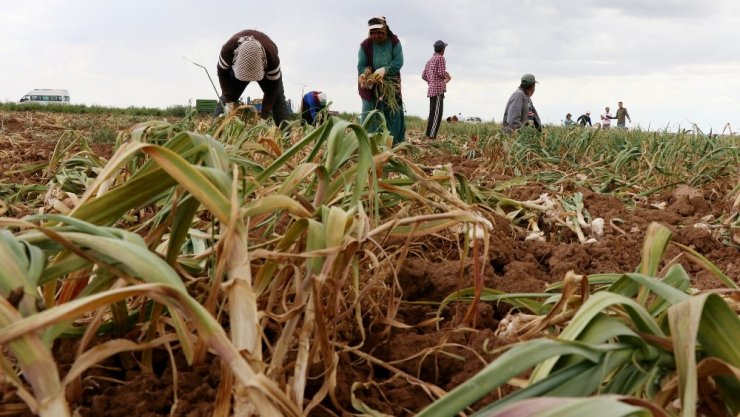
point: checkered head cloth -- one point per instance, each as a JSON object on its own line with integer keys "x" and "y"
{"x": 249, "y": 60}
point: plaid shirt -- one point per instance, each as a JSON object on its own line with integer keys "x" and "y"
{"x": 435, "y": 74}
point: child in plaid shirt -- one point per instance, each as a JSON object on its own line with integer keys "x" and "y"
{"x": 436, "y": 75}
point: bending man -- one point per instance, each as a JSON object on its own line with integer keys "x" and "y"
{"x": 251, "y": 56}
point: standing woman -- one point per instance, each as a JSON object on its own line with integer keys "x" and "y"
{"x": 381, "y": 58}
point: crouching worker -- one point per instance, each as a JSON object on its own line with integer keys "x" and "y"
{"x": 252, "y": 56}
{"x": 519, "y": 108}
{"x": 311, "y": 104}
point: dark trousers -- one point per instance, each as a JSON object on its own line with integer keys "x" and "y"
{"x": 306, "y": 112}
{"x": 436, "y": 105}
{"x": 280, "y": 110}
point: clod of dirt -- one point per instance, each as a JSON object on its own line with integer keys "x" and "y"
{"x": 688, "y": 200}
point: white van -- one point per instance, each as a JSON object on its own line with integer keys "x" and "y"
{"x": 46, "y": 96}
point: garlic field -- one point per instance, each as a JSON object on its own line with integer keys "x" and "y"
{"x": 199, "y": 267}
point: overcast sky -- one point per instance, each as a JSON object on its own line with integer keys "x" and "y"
{"x": 669, "y": 61}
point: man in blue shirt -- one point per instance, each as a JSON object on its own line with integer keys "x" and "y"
{"x": 311, "y": 104}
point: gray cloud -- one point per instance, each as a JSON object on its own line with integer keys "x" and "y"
{"x": 660, "y": 9}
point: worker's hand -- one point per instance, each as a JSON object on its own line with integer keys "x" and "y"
{"x": 228, "y": 107}
{"x": 366, "y": 81}
{"x": 380, "y": 72}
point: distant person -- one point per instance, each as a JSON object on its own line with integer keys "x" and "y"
{"x": 311, "y": 104}
{"x": 519, "y": 108}
{"x": 585, "y": 118}
{"x": 622, "y": 113}
{"x": 569, "y": 120}
{"x": 436, "y": 75}
{"x": 249, "y": 56}
{"x": 606, "y": 118}
{"x": 381, "y": 55}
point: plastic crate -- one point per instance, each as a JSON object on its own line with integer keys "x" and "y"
{"x": 205, "y": 106}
